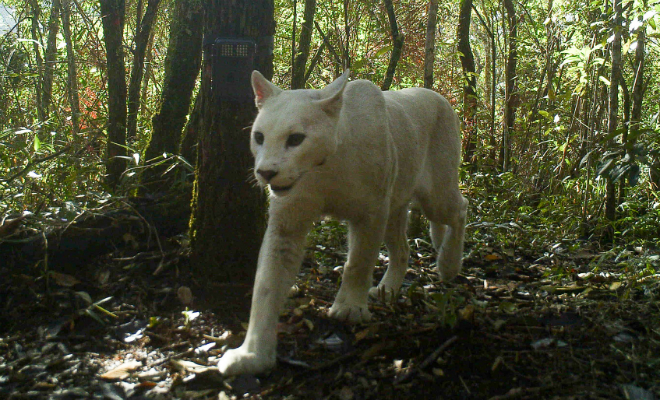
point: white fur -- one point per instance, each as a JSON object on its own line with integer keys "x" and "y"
{"x": 366, "y": 155}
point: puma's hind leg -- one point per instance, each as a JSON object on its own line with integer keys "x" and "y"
{"x": 447, "y": 219}
{"x": 399, "y": 253}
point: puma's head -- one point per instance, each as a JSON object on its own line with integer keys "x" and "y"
{"x": 294, "y": 132}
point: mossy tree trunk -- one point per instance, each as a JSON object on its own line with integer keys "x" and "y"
{"x": 228, "y": 217}
{"x": 113, "y": 14}
{"x": 182, "y": 64}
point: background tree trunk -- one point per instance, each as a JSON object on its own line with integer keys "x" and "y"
{"x": 429, "y": 44}
{"x": 511, "y": 98}
{"x": 137, "y": 72}
{"x": 36, "y": 13}
{"x": 51, "y": 56}
{"x": 397, "y": 46}
{"x": 113, "y": 14}
{"x": 72, "y": 75}
{"x": 416, "y": 224}
{"x": 302, "y": 53}
{"x": 610, "y": 199}
{"x": 469, "y": 80}
{"x": 182, "y": 64}
{"x": 228, "y": 217}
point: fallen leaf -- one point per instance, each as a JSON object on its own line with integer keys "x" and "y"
{"x": 185, "y": 295}
{"x": 189, "y": 366}
{"x": 123, "y": 371}
{"x": 508, "y": 307}
{"x": 492, "y": 257}
{"x": 346, "y": 393}
{"x": 633, "y": 392}
{"x": 64, "y": 279}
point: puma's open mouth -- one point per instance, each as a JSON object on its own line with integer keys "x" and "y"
{"x": 279, "y": 190}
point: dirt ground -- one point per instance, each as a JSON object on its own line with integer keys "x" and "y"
{"x": 513, "y": 325}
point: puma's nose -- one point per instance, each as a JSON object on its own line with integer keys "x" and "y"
{"x": 267, "y": 175}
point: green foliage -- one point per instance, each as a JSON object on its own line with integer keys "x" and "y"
{"x": 560, "y": 151}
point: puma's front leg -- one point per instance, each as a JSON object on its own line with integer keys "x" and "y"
{"x": 279, "y": 261}
{"x": 364, "y": 241}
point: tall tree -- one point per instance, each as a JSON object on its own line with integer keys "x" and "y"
{"x": 397, "y": 46}
{"x": 36, "y": 43}
{"x": 182, "y": 64}
{"x": 228, "y": 218}
{"x": 72, "y": 70}
{"x": 302, "y": 51}
{"x": 429, "y": 43}
{"x": 610, "y": 199}
{"x": 50, "y": 57}
{"x": 638, "y": 78}
{"x": 143, "y": 33}
{"x": 511, "y": 98}
{"x": 416, "y": 222}
{"x": 469, "y": 79}
{"x": 113, "y": 15}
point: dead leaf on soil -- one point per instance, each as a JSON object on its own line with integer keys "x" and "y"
{"x": 123, "y": 371}
{"x": 64, "y": 279}
{"x": 185, "y": 295}
{"x": 189, "y": 366}
{"x": 492, "y": 257}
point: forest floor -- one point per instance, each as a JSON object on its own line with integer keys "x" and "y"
{"x": 516, "y": 324}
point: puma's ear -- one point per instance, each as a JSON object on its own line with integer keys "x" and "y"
{"x": 263, "y": 89}
{"x": 333, "y": 94}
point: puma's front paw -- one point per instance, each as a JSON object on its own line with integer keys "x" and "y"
{"x": 382, "y": 293}
{"x": 238, "y": 361}
{"x": 352, "y": 314}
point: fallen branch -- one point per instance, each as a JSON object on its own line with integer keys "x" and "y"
{"x": 427, "y": 361}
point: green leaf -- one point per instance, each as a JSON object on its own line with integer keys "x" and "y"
{"x": 604, "y": 80}
{"x": 37, "y": 143}
{"x": 606, "y": 167}
{"x": 383, "y": 51}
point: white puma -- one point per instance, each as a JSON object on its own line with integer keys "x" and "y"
{"x": 358, "y": 154}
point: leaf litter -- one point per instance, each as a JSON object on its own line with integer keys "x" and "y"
{"x": 508, "y": 327}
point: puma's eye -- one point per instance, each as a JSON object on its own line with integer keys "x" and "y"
{"x": 295, "y": 139}
{"x": 259, "y": 138}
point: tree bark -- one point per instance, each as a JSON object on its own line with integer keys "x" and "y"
{"x": 511, "y": 98}
{"x": 228, "y": 217}
{"x": 36, "y": 13}
{"x": 302, "y": 52}
{"x": 182, "y": 65}
{"x": 610, "y": 199}
{"x": 469, "y": 80}
{"x": 113, "y": 15}
{"x": 638, "y": 79}
{"x": 397, "y": 46}
{"x": 315, "y": 60}
{"x": 72, "y": 71}
{"x": 191, "y": 132}
{"x": 429, "y": 43}
{"x": 137, "y": 72}
{"x": 50, "y": 56}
